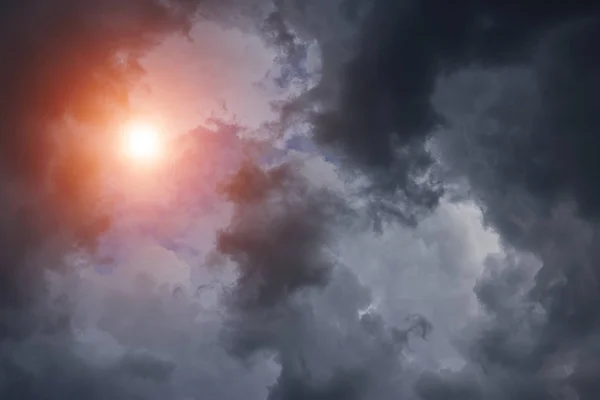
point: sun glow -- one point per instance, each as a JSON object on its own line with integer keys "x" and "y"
{"x": 142, "y": 142}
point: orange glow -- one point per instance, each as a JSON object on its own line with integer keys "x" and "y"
{"x": 142, "y": 142}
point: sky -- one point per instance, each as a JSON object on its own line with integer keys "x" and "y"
{"x": 357, "y": 199}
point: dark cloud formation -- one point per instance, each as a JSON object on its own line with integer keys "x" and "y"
{"x": 518, "y": 120}
{"x": 278, "y": 234}
{"x": 525, "y": 138}
{"x": 384, "y": 101}
{"x": 281, "y": 239}
{"x": 526, "y": 146}
{"x": 376, "y": 107}
{"x": 278, "y": 238}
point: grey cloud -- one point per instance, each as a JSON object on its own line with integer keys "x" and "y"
{"x": 292, "y": 299}
{"x": 373, "y": 103}
{"x": 278, "y": 233}
{"x": 45, "y": 367}
{"x": 533, "y": 155}
{"x": 522, "y": 167}
{"x": 522, "y": 137}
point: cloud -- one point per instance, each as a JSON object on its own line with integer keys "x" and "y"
{"x": 509, "y": 109}
{"x": 517, "y": 123}
{"x": 278, "y": 233}
{"x": 521, "y": 135}
{"x": 67, "y": 67}
{"x": 295, "y": 300}
{"x": 65, "y": 77}
{"x": 377, "y": 75}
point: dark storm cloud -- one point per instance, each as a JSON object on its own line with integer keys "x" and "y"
{"x": 536, "y": 136}
{"x": 342, "y": 386}
{"x": 525, "y": 138}
{"x": 278, "y": 238}
{"x": 279, "y": 233}
{"x": 532, "y": 166}
{"x": 571, "y": 115}
{"x": 385, "y": 100}
{"x": 376, "y": 107}
{"x": 293, "y": 299}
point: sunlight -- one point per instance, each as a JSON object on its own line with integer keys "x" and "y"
{"x": 142, "y": 142}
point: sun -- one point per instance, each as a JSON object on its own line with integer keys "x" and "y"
{"x": 142, "y": 142}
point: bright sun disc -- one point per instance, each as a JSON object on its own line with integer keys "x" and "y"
{"x": 142, "y": 142}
